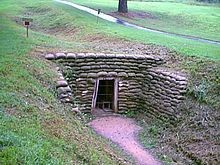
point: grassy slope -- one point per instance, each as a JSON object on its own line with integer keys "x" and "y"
{"x": 198, "y": 126}
{"x": 34, "y": 128}
{"x": 30, "y": 114}
{"x": 183, "y": 46}
{"x": 189, "y": 19}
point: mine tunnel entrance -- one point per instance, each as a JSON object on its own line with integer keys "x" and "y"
{"x": 106, "y": 95}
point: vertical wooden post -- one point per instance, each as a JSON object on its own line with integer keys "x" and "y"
{"x": 97, "y": 19}
{"x": 99, "y": 11}
{"x": 116, "y": 95}
{"x": 27, "y": 31}
{"x": 26, "y": 22}
{"x": 95, "y": 93}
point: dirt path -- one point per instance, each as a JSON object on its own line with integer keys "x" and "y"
{"x": 123, "y": 132}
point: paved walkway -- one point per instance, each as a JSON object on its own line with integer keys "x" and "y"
{"x": 116, "y": 20}
{"x": 123, "y": 131}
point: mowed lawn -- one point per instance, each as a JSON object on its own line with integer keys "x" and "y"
{"x": 84, "y": 24}
{"x": 181, "y": 45}
{"x": 200, "y": 20}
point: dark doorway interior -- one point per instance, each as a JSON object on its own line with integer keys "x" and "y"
{"x": 105, "y": 95}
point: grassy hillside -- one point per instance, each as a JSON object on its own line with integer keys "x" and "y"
{"x": 72, "y": 25}
{"x": 182, "y": 18}
{"x": 184, "y": 46}
{"x": 34, "y": 127}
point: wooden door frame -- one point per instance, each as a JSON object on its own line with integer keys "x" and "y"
{"x": 95, "y": 93}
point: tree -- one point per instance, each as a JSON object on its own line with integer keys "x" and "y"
{"x": 122, "y": 6}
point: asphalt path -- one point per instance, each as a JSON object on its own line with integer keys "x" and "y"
{"x": 127, "y": 24}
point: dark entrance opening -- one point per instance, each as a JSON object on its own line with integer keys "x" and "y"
{"x": 105, "y": 95}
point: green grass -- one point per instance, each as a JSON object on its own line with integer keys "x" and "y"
{"x": 85, "y": 25}
{"x": 34, "y": 127}
{"x": 23, "y": 142}
{"x": 181, "y": 18}
{"x": 184, "y": 46}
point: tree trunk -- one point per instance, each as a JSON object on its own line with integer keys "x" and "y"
{"x": 122, "y": 6}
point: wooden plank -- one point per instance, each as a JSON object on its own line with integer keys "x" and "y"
{"x": 95, "y": 93}
{"x": 115, "y": 106}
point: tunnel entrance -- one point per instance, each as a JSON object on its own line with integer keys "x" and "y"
{"x": 106, "y": 95}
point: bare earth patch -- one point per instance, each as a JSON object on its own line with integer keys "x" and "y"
{"x": 133, "y": 15}
{"x": 123, "y": 131}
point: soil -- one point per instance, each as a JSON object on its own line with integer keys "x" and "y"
{"x": 133, "y": 15}
{"x": 123, "y": 131}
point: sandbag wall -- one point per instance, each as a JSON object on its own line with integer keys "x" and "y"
{"x": 165, "y": 91}
{"x": 138, "y": 76}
